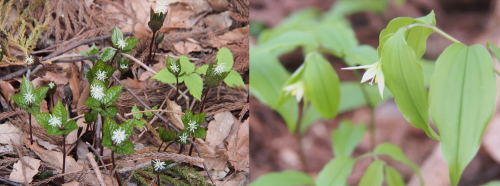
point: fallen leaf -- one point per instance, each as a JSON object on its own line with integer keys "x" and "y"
{"x": 186, "y": 47}
{"x": 8, "y": 133}
{"x": 83, "y": 98}
{"x": 59, "y": 79}
{"x": 133, "y": 83}
{"x": 55, "y": 158}
{"x": 73, "y": 183}
{"x": 74, "y": 84}
{"x": 172, "y": 116}
{"x": 46, "y": 144}
{"x": 239, "y": 146}
{"x": 218, "y": 21}
{"x": 17, "y": 172}
{"x": 219, "y": 128}
{"x": 7, "y": 90}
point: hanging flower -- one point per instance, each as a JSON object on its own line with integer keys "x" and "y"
{"x": 118, "y": 136}
{"x": 373, "y": 73}
{"x": 297, "y": 89}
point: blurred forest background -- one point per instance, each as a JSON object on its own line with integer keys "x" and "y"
{"x": 274, "y": 148}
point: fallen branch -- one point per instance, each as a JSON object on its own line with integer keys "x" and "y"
{"x": 98, "y": 173}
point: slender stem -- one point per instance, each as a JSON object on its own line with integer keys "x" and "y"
{"x": 167, "y": 146}
{"x": 177, "y": 89}
{"x": 114, "y": 167}
{"x": 191, "y": 148}
{"x": 64, "y": 156}
{"x": 204, "y": 100}
{"x": 97, "y": 133}
{"x": 299, "y": 136}
{"x": 181, "y": 149}
{"x": 439, "y": 31}
{"x": 369, "y": 102}
{"x": 159, "y": 148}
{"x": 158, "y": 178}
{"x": 31, "y": 130}
{"x": 112, "y": 59}
{"x": 151, "y": 47}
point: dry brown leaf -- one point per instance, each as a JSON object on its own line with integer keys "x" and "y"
{"x": 73, "y": 183}
{"x": 46, "y": 144}
{"x": 239, "y": 146}
{"x": 74, "y": 84}
{"x": 8, "y": 133}
{"x": 55, "y": 158}
{"x": 7, "y": 90}
{"x": 186, "y": 47}
{"x": 235, "y": 34}
{"x": 83, "y": 98}
{"x": 156, "y": 67}
{"x": 133, "y": 83}
{"x": 17, "y": 172}
{"x": 59, "y": 79}
{"x": 172, "y": 116}
{"x": 219, "y": 128}
{"x": 218, "y": 21}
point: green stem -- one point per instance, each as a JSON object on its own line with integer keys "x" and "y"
{"x": 299, "y": 135}
{"x": 31, "y": 131}
{"x": 372, "y": 111}
{"x": 436, "y": 29}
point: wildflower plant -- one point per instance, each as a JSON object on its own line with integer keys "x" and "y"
{"x": 101, "y": 72}
{"x": 156, "y": 19}
{"x": 101, "y": 99}
{"x": 92, "y": 51}
{"x": 123, "y": 64}
{"x": 138, "y": 121}
{"x": 166, "y": 136}
{"x": 116, "y": 136}
{"x": 181, "y": 70}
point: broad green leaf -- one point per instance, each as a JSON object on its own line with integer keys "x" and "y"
{"x": 296, "y": 20}
{"x": 33, "y": 109}
{"x": 107, "y": 53}
{"x": 109, "y": 112}
{"x": 187, "y": 118}
{"x": 284, "y": 178}
{"x": 202, "y": 69}
{"x": 416, "y": 36}
{"x": 166, "y": 135}
{"x": 234, "y": 79}
{"x": 26, "y": 86}
{"x": 140, "y": 123}
{"x": 90, "y": 117}
{"x": 125, "y": 147}
{"x": 150, "y": 114}
{"x": 322, "y": 85}
{"x": 186, "y": 65}
{"x": 166, "y": 77}
{"x": 336, "y": 172}
{"x": 19, "y": 100}
{"x": 131, "y": 42}
{"x": 225, "y": 56}
{"x": 116, "y": 35}
{"x": 194, "y": 83}
{"x": 135, "y": 109}
{"x": 405, "y": 78}
{"x": 92, "y": 103}
{"x": 291, "y": 39}
{"x": 69, "y": 127}
{"x": 392, "y": 177}
{"x": 495, "y": 50}
{"x": 200, "y": 133}
{"x": 462, "y": 101}
{"x": 43, "y": 119}
{"x": 109, "y": 127}
{"x": 112, "y": 95}
{"x": 492, "y": 183}
{"x": 346, "y": 138}
{"x": 336, "y": 38}
{"x": 361, "y": 55}
{"x": 39, "y": 94}
{"x": 267, "y": 77}
{"x": 345, "y": 7}
{"x": 397, "y": 154}
{"x": 60, "y": 112}
{"x": 374, "y": 175}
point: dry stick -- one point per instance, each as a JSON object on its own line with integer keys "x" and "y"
{"x": 76, "y": 60}
{"x": 168, "y": 123}
{"x": 97, "y": 171}
{"x": 98, "y": 157}
{"x": 191, "y": 148}
{"x": 97, "y": 134}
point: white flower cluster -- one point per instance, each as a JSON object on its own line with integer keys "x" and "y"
{"x": 219, "y": 68}
{"x": 97, "y": 92}
{"x": 192, "y": 126}
{"x": 183, "y": 138}
{"x": 121, "y": 44}
{"x": 52, "y": 85}
{"x": 118, "y": 136}
{"x": 123, "y": 66}
{"x": 174, "y": 67}
{"x": 158, "y": 165}
{"x": 29, "y": 60}
{"x": 29, "y": 97}
{"x": 161, "y": 7}
{"x": 54, "y": 121}
{"x": 101, "y": 75}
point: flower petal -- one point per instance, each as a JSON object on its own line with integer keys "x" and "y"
{"x": 358, "y": 67}
{"x": 369, "y": 74}
{"x": 381, "y": 82}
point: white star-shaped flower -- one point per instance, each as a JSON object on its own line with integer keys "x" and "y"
{"x": 52, "y": 85}
{"x": 183, "y": 138}
{"x": 219, "y": 68}
{"x": 161, "y": 7}
{"x": 174, "y": 67}
{"x": 123, "y": 66}
{"x": 118, "y": 136}
{"x": 192, "y": 126}
{"x": 101, "y": 75}
{"x": 158, "y": 165}
{"x": 54, "y": 121}
{"x": 96, "y": 92}
{"x": 121, "y": 43}
{"x": 29, "y": 60}
{"x": 297, "y": 89}
{"x": 29, "y": 98}
{"x": 374, "y": 73}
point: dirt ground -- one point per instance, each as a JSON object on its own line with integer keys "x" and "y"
{"x": 273, "y": 148}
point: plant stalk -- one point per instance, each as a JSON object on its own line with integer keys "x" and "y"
{"x": 369, "y": 102}
{"x": 436, "y": 29}
{"x": 31, "y": 130}
{"x": 64, "y": 157}
{"x": 204, "y": 99}
{"x": 159, "y": 148}
{"x": 158, "y": 178}
{"x": 167, "y": 146}
{"x": 112, "y": 59}
{"x": 114, "y": 167}
{"x": 177, "y": 89}
{"x": 299, "y": 136}
{"x": 191, "y": 148}
{"x": 151, "y": 47}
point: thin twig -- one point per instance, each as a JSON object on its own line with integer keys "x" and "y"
{"x": 132, "y": 113}
{"x": 97, "y": 171}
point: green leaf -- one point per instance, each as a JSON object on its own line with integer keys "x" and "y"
{"x": 43, "y": 120}
{"x": 19, "y": 100}
{"x": 416, "y": 36}
{"x": 140, "y": 123}
{"x": 194, "y": 83}
{"x": 397, "y": 154}
{"x": 374, "y": 175}
{"x": 69, "y": 127}
{"x": 186, "y": 65}
{"x": 462, "y": 101}
{"x": 492, "y": 183}
{"x": 112, "y": 95}
{"x": 346, "y": 138}
{"x": 90, "y": 117}
{"x": 33, "y": 109}
{"x": 345, "y": 7}
{"x": 202, "y": 69}
{"x": 166, "y": 77}
{"x": 131, "y": 42}
{"x": 405, "y": 78}
{"x": 336, "y": 38}
{"x": 93, "y": 103}
{"x": 291, "y": 39}
{"x": 26, "y": 86}
{"x": 234, "y": 79}
{"x": 225, "y": 56}
{"x": 322, "y": 85}
{"x": 107, "y": 53}
{"x": 187, "y": 117}
{"x": 109, "y": 112}
{"x": 135, "y": 109}
{"x": 150, "y": 114}
{"x": 125, "y": 147}
{"x": 494, "y": 49}
{"x": 39, "y": 94}
{"x": 166, "y": 136}
{"x": 60, "y": 112}
{"x": 200, "y": 133}
{"x": 392, "y": 177}
{"x": 336, "y": 172}
{"x": 116, "y": 35}
{"x": 361, "y": 55}
{"x": 285, "y": 178}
